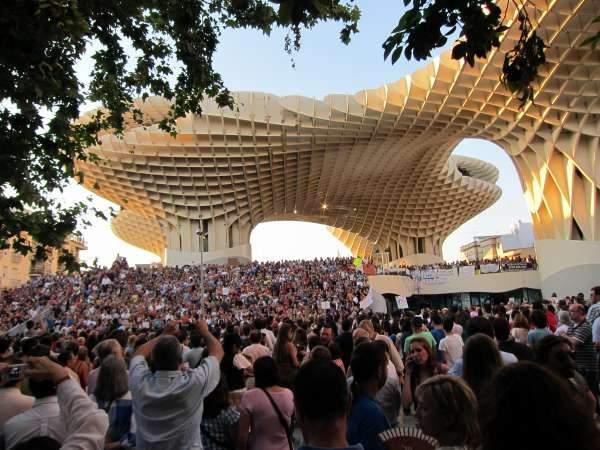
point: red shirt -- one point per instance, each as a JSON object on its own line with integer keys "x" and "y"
{"x": 551, "y": 319}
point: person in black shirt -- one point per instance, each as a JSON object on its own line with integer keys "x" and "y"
{"x": 508, "y": 345}
{"x": 344, "y": 340}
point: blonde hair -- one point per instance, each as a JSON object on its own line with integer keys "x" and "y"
{"x": 455, "y": 399}
{"x": 367, "y": 325}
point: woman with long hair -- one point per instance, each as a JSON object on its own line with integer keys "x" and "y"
{"x": 286, "y": 355}
{"x": 102, "y": 350}
{"x": 367, "y": 419}
{"x": 481, "y": 361}
{"x": 112, "y": 394}
{"x": 447, "y": 411}
{"x": 420, "y": 365}
{"x": 266, "y": 411}
{"x": 301, "y": 343}
{"x": 234, "y": 363}
{"x": 82, "y": 366}
{"x": 520, "y": 328}
{"x": 528, "y": 407}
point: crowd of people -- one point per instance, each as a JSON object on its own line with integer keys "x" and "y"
{"x": 280, "y": 356}
{"x": 504, "y": 264}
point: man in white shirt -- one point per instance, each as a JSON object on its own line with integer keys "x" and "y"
{"x": 168, "y": 402}
{"x": 43, "y": 419}
{"x": 85, "y": 424}
{"x": 13, "y": 402}
{"x": 452, "y": 345}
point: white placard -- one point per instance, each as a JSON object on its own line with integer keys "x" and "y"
{"x": 366, "y": 302}
{"x": 401, "y": 302}
{"x": 325, "y": 305}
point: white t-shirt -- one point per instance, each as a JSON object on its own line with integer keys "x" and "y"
{"x": 520, "y": 335}
{"x": 452, "y": 346}
{"x": 596, "y": 331}
{"x": 457, "y": 329}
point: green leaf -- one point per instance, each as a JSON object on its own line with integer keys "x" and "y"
{"x": 286, "y": 8}
{"x": 397, "y": 54}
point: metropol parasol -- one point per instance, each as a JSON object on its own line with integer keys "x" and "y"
{"x": 374, "y": 166}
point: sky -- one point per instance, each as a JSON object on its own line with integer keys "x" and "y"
{"x": 250, "y": 61}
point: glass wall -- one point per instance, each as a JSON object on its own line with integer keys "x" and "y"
{"x": 465, "y": 300}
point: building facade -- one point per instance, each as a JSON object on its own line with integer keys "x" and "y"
{"x": 16, "y": 269}
{"x": 518, "y": 243}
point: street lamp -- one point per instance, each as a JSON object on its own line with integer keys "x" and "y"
{"x": 201, "y": 236}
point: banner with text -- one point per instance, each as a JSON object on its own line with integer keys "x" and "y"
{"x": 490, "y": 268}
{"x": 515, "y": 266}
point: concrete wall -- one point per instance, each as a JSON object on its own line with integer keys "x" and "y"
{"x": 492, "y": 282}
{"x": 393, "y": 284}
{"x": 568, "y": 267}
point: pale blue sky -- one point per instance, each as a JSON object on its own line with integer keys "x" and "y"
{"x": 248, "y": 61}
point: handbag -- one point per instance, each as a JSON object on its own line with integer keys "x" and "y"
{"x": 284, "y": 424}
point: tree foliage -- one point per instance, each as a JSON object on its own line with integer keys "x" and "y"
{"x": 138, "y": 48}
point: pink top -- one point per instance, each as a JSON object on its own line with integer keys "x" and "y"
{"x": 267, "y": 431}
{"x": 256, "y": 351}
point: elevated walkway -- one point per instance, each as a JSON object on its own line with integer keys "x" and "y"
{"x": 454, "y": 284}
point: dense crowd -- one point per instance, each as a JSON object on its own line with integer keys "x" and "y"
{"x": 144, "y": 298}
{"x": 278, "y": 356}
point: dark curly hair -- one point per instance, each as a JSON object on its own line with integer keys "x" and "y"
{"x": 528, "y": 407}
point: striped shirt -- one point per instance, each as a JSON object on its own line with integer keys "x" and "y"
{"x": 585, "y": 354}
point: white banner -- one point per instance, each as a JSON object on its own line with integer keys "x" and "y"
{"x": 443, "y": 275}
{"x": 375, "y": 301}
{"x": 434, "y": 276}
{"x": 467, "y": 271}
{"x": 401, "y": 302}
{"x": 490, "y": 268}
{"x": 325, "y": 305}
{"x": 366, "y": 302}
